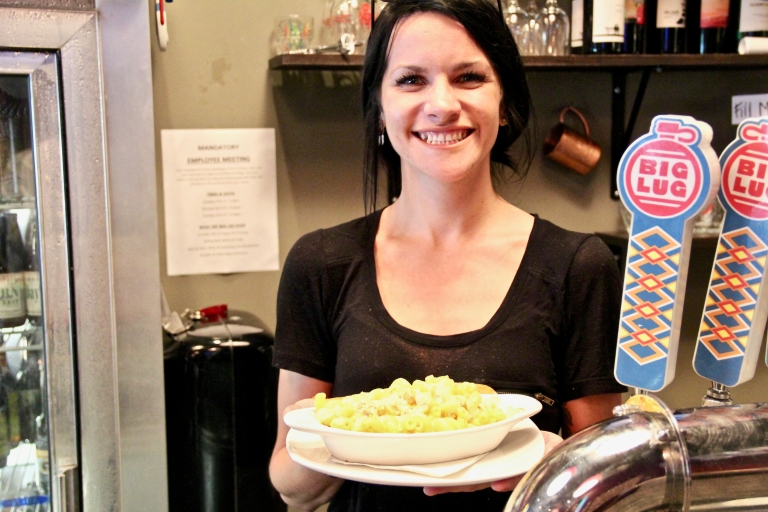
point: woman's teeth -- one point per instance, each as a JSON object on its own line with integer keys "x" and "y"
{"x": 443, "y": 138}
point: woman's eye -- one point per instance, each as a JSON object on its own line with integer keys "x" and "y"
{"x": 472, "y": 77}
{"x": 409, "y": 80}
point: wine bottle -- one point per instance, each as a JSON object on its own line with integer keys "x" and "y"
{"x": 43, "y": 477}
{"x": 714, "y": 26}
{"x": 32, "y": 293}
{"x": 634, "y": 26}
{"x": 8, "y": 382}
{"x": 651, "y": 34}
{"x": 29, "y": 388}
{"x": 577, "y": 26}
{"x": 692, "y": 28}
{"x": 5, "y": 443}
{"x": 603, "y": 26}
{"x": 753, "y": 19}
{"x": 670, "y": 21}
{"x": 12, "y": 261}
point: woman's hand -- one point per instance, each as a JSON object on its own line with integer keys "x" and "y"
{"x": 301, "y": 488}
{"x": 550, "y": 442}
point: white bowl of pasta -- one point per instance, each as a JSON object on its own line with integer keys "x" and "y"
{"x": 407, "y": 448}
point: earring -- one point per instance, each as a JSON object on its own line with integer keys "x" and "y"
{"x": 503, "y": 122}
{"x": 381, "y": 136}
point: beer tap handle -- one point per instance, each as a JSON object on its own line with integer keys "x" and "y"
{"x": 665, "y": 179}
{"x": 736, "y": 307}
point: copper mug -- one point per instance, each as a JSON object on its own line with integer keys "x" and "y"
{"x": 570, "y": 148}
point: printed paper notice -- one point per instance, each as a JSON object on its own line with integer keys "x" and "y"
{"x": 220, "y": 191}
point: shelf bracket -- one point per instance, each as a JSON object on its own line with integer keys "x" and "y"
{"x": 621, "y": 137}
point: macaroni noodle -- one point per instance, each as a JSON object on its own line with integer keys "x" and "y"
{"x": 430, "y": 405}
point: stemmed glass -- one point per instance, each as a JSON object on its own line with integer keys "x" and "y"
{"x": 553, "y": 30}
{"x": 534, "y": 30}
{"x": 518, "y": 22}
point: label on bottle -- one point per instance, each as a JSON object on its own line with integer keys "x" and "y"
{"x": 577, "y": 25}
{"x": 714, "y": 13}
{"x": 670, "y": 14}
{"x": 754, "y": 16}
{"x": 608, "y": 21}
{"x": 32, "y": 293}
{"x": 11, "y": 295}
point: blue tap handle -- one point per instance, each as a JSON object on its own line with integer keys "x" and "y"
{"x": 665, "y": 178}
{"x": 736, "y": 308}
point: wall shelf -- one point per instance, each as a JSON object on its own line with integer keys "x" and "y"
{"x": 335, "y": 61}
{"x": 618, "y": 65}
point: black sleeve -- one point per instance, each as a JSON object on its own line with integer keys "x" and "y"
{"x": 303, "y": 339}
{"x": 592, "y": 305}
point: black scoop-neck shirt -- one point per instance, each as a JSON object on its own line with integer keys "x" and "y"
{"x": 553, "y": 336}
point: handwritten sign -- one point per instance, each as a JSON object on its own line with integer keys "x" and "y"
{"x": 220, "y": 200}
{"x": 665, "y": 178}
{"x": 747, "y": 106}
{"x": 736, "y": 308}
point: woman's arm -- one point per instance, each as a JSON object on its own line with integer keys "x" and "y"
{"x": 298, "y": 486}
{"x": 582, "y": 412}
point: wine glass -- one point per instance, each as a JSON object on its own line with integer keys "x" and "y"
{"x": 518, "y": 22}
{"x": 533, "y": 43}
{"x": 347, "y": 22}
{"x": 553, "y": 30}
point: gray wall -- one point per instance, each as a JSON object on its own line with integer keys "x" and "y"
{"x": 215, "y": 75}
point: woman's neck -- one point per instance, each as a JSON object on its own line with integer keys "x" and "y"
{"x": 436, "y": 210}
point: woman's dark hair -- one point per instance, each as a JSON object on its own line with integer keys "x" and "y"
{"x": 486, "y": 26}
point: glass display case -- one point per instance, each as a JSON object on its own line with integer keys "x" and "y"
{"x": 24, "y": 456}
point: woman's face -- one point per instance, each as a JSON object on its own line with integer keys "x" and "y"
{"x": 440, "y": 100}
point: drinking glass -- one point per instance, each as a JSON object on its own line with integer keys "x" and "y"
{"x": 347, "y": 22}
{"x": 533, "y": 43}
{"x": 518, "y": 22}
{"x": 292, "y": 33}
{"x": 553, "y": 29}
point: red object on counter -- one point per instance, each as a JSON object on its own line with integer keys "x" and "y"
{"x": 213, "y": 313}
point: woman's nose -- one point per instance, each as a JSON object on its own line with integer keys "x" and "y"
{"x": 441, "y": 104}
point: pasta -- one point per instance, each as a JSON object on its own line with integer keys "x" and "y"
{"x": 431, "y": 405}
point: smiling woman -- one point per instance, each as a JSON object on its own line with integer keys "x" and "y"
{"x": 450, "y": 279}
{"x": 483, "y": 25}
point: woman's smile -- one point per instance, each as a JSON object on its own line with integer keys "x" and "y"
{"x": 443, "y": 138}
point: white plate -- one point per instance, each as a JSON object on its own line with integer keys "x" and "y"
{"x": 418, "y": 448}
{"x": 520, "y": 450}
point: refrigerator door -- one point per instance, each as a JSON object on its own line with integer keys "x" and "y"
{"x": 37, "y": 384}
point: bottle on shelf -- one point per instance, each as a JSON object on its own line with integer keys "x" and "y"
{"x": 577, "y": 26}
{"x": 5, "y": 435}
{"x": 8, "y": 382}
{"x": 670, "y": 22}
{"x": 43, "y": 478}
{"x": 12, "y": 262}
{"x": 651, "y": 33}
{"x": 32, "y": 291}
{"x": 714, "y": 27}
{"x": 692, "y": 26}
{"x": 753, "y": 18}
{"x": 29, "y": 388}
{"x": 634, "y": 26}
{"x": 603, "y": 26}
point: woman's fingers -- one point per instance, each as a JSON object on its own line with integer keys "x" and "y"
{"x": 301, "y": 404}
{"x": 550, "y": 441}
